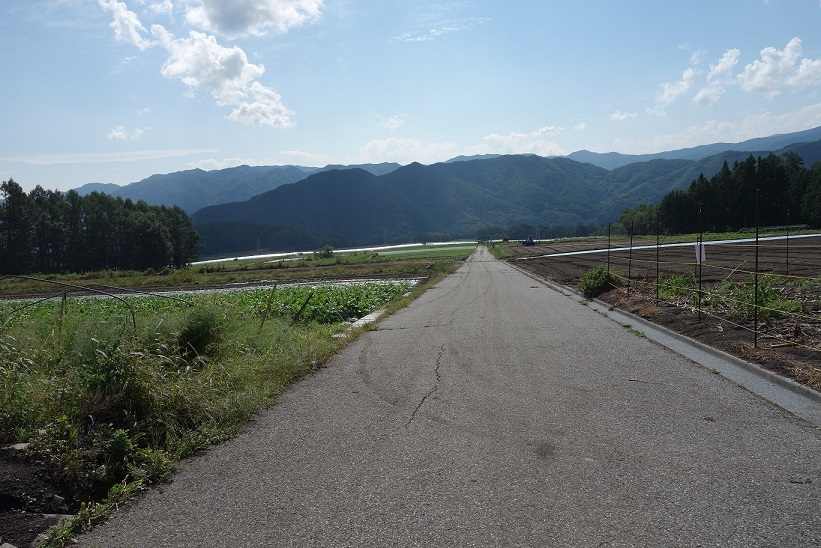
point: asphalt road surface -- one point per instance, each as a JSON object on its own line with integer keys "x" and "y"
{"x": 496, "y": 411}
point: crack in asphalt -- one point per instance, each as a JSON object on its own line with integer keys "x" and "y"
{"x": 435, "y": 386}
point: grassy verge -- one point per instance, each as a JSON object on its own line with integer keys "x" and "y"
{"x": 111, "y": 407}
{"x": 501, "y": 250}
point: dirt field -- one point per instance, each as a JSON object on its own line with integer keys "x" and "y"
{"x": 789, "y": 345}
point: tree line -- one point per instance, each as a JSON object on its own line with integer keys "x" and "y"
{"x": 779, "y": 188}
{"x": 48, "y": 231}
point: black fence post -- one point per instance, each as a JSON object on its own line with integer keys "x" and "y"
{"x": 658, "y": 280}
{"x": 755, "y": 285}
{"x": 630, "y": 259}
{"x": 700, "y": 258}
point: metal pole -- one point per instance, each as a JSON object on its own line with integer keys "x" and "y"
{"x": 630, "y": 259}
{"x": 608, "y": 248}
{"x": 658, "y": 230}
{"x": 788, "y": 241}
{"x": 755, "y": 286}
{"x": 700, "y": 261}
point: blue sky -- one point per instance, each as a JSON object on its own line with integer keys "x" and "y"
{"x": 114, "y": 91}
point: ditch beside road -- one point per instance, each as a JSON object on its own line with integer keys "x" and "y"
{"x": 495, "y": 411}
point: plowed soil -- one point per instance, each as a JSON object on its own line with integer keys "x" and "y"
{"x": 789, "y": 345}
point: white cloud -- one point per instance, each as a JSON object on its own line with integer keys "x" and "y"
{"x": 808, "y": 73}
{"x": 251, "y": 17}
{"x": 405, "y": 151}
{"x": 732, "y": 131}
{"x": 265, "y": 110}
{"x": 120, "y": 133}
{"x": 580, "y": 126}
{"x": 143, "y": 111}
{"x": 435, "y": 32}
{"x": 721, "y": 75}
{"x": 165, "y": 6}
{"x": 211, "y": 164}
{"x": 620, "y": 116}
{"x": 201, "y": 63}
{"x": 393, "y": 123}
{"x": 697, "y": 56}
{"x": 126, "y": 24}
{"x": 769, "y": 74}
{"x": 670, "y": 92}
{"x": 534, "y": 142}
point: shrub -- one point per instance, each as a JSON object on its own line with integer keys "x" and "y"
{"x": 324, "y": 252}
{"x": 596, "y": 281}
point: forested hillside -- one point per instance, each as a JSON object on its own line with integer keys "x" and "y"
{"x": 46, "y": 231}
{"x": 769, "y": 191}
{"x": 356, "y": 207}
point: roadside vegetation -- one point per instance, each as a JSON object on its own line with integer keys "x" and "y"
{"x": 110, "y": 393}
{"x": 596, "y": 281}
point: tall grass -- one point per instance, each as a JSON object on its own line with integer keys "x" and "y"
{"x": 101, "y": 402}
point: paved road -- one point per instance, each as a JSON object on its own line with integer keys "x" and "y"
{"x": 496, "y": 411}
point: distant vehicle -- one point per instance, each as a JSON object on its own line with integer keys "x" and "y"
{"x": 528, "y": 241}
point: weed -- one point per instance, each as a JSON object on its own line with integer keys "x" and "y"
{"x": 596, "y": 281}
{"x": 200, "y": 334}
{"x": 677, "y": 285}
{"x": 743, "y": 298}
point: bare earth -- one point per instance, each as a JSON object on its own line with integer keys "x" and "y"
{"x": 790, "y": 346}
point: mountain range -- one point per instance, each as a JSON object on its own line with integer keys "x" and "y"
{"x": 194, "y": 189}
{"x": 611, "y": 160}
{"x": 287, "y": 207}
{"x": 417, "y": 202}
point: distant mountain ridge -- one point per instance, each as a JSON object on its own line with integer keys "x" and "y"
{"x": 353, "y": 206}
{"x": 194, "y": 189}
{"x": 612, "y": 160}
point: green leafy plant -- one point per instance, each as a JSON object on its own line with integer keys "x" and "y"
{"x": 678, "y": 285}
{"x": 743, "y": 298}
{"x": 596, "y": 281}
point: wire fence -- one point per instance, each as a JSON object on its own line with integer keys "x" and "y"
{"x": 770, "y": 287}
